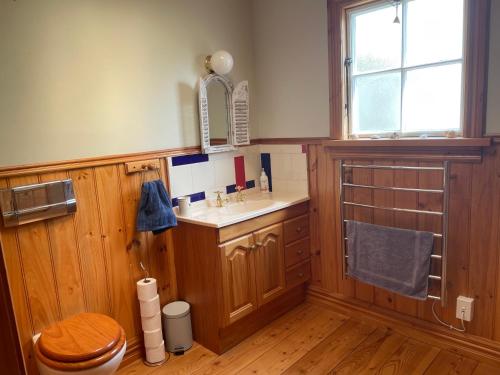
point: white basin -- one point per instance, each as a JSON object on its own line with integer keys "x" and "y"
{"x": 255, "y": 205}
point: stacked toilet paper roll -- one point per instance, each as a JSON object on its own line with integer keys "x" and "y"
{"x": 149, "y": 302}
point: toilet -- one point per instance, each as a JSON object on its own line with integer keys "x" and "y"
{"x": 84, "y": 344}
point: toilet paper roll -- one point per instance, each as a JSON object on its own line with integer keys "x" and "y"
{"x": 152, "y": 339}
{"x": 150, "y": 307}
{"x": 146, "y": 289}
{"x": 151, "y": 323}
{"x": 155, "y": 355}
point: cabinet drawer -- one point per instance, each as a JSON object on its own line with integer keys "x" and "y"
{"x": 298, "y": 275}
{"x": 296, "y": 252}
{"x": 296, "y": 229}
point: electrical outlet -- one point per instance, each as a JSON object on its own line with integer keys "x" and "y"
{"x": 465, "y": 308}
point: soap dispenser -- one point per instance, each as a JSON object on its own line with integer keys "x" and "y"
{"x": 264, "y": 182}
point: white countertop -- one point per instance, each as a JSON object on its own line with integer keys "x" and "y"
{"x": 255, "y": 205}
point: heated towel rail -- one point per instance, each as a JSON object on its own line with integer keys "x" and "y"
{"x": 443, "y": 192}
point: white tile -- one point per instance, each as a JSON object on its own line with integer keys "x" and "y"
{"x": 203, "y": 176}
{"x": 222, "y": 155}
{"x": 252, "y": 166}
{"x": 280, "y": 186}
{"x": 181, "y": 180}
{"x": 299, "y": 170}
{"x": 300, "y": 186}
{"x": 281, "y": 149}
{"x": 224, "y": 172}
{"x": 281, "y": 166}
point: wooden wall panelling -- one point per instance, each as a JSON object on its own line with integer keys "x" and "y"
{"x": 405, "y": 179}
{"x": 161, "y": 254}
{"x": 10, "y": 350}
{"x": 483, "y": 243}
{"x": 363, "y": 177}
{"x": 88, "y": 223}
{"x": 326, "y": 190}
{"x": 347, "y": 285}
{"x": 137, "y": 245}
{"x": 18, "y": 293}
{"x": 431, "y": 223}
{"x": 315, "y": 244}
{"x": 459, "y": 224}
{"x": 66, "y": 258}
{"x": 473, "y": 243}
{"x": 121, "y": 284}
{"x": 37, "y": 266}
{"x": 384, "y": 198}
{"x": 496, "y": 323}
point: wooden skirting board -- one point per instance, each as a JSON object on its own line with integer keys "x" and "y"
{"x": 472, "y": 346}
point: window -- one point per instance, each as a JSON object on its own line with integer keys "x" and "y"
{"x": 425, "y": 75}
{"x": 405, "y": 77}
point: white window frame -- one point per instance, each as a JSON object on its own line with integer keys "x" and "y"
{"x": 349, "y": 76}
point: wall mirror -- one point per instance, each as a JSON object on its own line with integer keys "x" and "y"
{"x": 224, "y": 114}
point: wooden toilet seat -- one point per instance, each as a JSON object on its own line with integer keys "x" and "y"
{"x": 81, "y": 342}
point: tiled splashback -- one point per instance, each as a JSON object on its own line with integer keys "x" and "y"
{"x": 201, "y": 175}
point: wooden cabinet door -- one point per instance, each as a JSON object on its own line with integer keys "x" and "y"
{"x": 238, "y": 278}
{"x": 269, "y": 263}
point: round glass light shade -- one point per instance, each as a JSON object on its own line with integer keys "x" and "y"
{"x": 221, "y": 62}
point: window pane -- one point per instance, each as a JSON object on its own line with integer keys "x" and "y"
{"x": 432, "y": 99}
{"x": 376, "y": 103}
{"x": 434, "y": 31}
{"x": 376, "y": 40}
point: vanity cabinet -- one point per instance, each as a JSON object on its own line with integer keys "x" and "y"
{"x": 253, "y": 271}
{"x": 240, "y": 277}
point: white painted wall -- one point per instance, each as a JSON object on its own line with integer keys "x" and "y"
{"x": 493, "y": 111}
{"x": 86, "y": 78}
{"x": 291, "y": 66}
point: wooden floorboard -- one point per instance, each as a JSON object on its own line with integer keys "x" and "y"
{"x": 312, "y": 339}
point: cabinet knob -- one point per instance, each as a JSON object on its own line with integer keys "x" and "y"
{"x": 299, "y": 229}
{"x": 301, "y": 274}
{"x": 299, "y": 252}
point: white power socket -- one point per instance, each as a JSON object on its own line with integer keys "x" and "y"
{"x": 465, "y": 308}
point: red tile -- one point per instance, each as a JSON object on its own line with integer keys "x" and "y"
{"x": 239, "y": 170}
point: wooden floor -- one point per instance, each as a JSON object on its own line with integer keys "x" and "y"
{"x": 314, "y": 340}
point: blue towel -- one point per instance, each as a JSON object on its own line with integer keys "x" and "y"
{"x": 155, "y": 209}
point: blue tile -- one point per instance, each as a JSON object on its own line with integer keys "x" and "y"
{"x": 194, "y": 198}
{"x": 265, "y": 160}
{"x": 250, "y": 184}
{"x": 189, "y": 159}
{"x": 197, "y": 196}
{"x": 231, "y": 189}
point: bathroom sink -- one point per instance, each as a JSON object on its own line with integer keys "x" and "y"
{"x": 254, "y": 205}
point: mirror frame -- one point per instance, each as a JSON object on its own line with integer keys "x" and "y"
{"x": 206, "y": 147}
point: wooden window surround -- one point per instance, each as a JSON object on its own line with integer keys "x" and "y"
{"x": 475, "y": 84}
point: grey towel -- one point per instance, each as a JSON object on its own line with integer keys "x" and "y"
{"x": 155, "y": 209}
{"x": 390, "y": 258}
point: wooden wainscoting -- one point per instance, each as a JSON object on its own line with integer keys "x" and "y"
{"x": 473, "y": 248}
{"x": 88, "y": 261}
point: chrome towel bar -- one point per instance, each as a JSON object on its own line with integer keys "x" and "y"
{"x": 443, "y": 214}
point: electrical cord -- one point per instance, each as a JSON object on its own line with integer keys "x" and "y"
{"x": 450, "y": 326}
